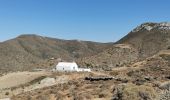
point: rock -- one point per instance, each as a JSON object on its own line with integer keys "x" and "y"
{"x": 48, "y": 81}
{"x": 165, "y": 85}
{"x": 165, "y": 95}
{"x": 139, "y": 81}
{"x": 148, "y": 78}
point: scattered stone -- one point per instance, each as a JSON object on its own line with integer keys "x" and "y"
{"x": 148, "y": 78}
{"x": 47, "y": 81}
{"x": 165, "y": 95}
{"x": 165, "y": 86}
{"x": 139, "y": 81}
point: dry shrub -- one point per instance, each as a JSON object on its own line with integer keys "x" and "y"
{"x": 165, "y": 56}
{"x": 7, "y": 93}
{"x": 165, "y": 85}
{"x": 134, "y": 92}
{"x": 114, "y": 73}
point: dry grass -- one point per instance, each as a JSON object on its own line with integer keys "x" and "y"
{"x": 76, "y": 88}
{"x": 131, "y": 91}
{"x": 134, "y": 92}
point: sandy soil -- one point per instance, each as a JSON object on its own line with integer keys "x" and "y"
{"x": 19, "y": 81}
{"x": 6, "y": 99}
{"x": 18, "y": 78}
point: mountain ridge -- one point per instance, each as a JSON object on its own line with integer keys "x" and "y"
{"x": 142, "y": 42}
{"x": 145, "y": 40}
{"x": 25, "y": 51}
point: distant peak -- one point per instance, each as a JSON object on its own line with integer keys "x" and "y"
{"x": 150, "y": 25}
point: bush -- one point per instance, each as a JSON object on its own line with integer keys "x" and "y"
{"x": 114, "y": 73}
{"x": 7, "y": 93}
{"x": 165, "y": 56}
{"x": 134, "y": 92}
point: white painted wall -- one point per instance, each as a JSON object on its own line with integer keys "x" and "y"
{"x": 84, "y": 70}
{"x": 67, "y": 66}
{"x": 70, "y": 66}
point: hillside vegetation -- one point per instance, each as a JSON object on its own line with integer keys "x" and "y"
{"x": 26, "y": 52}
{"x": 144, "y": 41}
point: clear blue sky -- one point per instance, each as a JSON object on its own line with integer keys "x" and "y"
{"x": 95, "y": 20}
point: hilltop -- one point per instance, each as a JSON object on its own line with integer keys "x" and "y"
{"x": 144, "y": 41}
{"x": 148, "y": 38}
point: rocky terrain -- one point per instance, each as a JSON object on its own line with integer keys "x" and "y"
{"x": 149, "y": 38}
{"x": 142, "y": 42}
{"x": 116, "y": 56}
{"x": 148, "y": 79}
{"x": 27, "y": 52}
{"x": 137, "y": 67}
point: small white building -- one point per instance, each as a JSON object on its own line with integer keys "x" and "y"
{"x": 70, "y": 66}
{"x": 67, "y": 66}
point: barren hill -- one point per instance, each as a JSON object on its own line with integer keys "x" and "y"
{"x": 142, "y": 42}
{"x": 156, "y": 66}
{"x": 25, "y": 51}
{"x": 117, "y": 55}
{"x": 144, "y": 54}
{"x": 149, "y": 38}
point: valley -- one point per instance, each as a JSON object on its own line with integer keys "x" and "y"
{"x": 137, "y": 67}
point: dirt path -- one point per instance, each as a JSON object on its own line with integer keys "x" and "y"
{"x": 100, "y": 74}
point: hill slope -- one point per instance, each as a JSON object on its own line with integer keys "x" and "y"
{"x": 144, "y": 41}
{"x": 117, "y": 55}
{"x": 25, "y": 51}
{"x": 149, "y": 38}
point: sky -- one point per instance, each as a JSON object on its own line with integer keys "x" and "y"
{"x": 91, "y": 20}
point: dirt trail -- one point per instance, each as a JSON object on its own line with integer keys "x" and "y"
{"x": 100, "y": 74}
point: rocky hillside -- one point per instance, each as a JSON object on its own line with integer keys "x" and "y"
{"x": 30, "y": 51}
{"x": 142, "y": 42}
{"x": 145, "y": 74}
{"x": 117, "y": 55}
{"x": 155, "y": 67}
{"x": 149, "y": 38}
{"x": 143, "y": 80}
{"x": 26, "y": 51}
